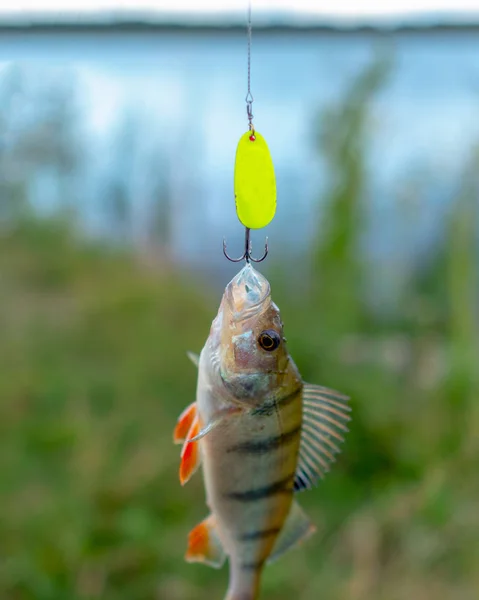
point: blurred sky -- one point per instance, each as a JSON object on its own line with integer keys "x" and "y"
{"x": 168, "y": 93}
{"x": 344, "y": 9}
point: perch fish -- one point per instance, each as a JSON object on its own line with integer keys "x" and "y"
{"x": 260, "y": 434}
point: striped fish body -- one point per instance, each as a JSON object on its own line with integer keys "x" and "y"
{"x": 260, "y": 434}
{"x": 249, "y": 466}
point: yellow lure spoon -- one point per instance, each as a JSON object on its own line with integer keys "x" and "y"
{"x": 254, "y": 181}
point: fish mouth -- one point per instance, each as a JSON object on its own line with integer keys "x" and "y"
{"x": 246, "y": 293}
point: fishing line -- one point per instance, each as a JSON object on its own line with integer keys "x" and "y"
{"x": 249, "y": 95}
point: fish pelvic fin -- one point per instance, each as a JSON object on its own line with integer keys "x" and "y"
{"x": 204, "y": 545}
{"x": 190, "y": 453}
{"x": 325, "y": 414}
{"x": 184, "y": 423}
{"x": 296, "y": 529}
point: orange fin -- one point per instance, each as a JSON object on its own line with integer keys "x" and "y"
{"x": 204, "y": 545}
{"x": 190, "y": 453}
{"x": 184, "y": 423}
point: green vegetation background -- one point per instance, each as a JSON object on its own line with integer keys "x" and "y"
{"x": 94, "y": 374}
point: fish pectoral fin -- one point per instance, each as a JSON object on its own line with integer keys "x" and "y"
{"x": 195, "y": 358}
{"x": 204, "y": 545}
{"x": 325, "y": 414}
{"x": 296, "y": 529}
{"x": 190, "y": 453}
{"x": 184, "y": 423}
{"x": 189, "y": 421}
{"x": 216, "y": 419}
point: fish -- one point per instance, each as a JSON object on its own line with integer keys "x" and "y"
{"x": 260, "y": 434}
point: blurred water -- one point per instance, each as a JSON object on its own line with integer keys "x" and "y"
{"x": 185, "y": 91}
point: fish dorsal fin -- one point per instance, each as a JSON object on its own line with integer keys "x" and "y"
{"x": 297, "y": 528}
{"x": 204, "y": 545}
{"x": 325, "y": 414}
{"x": 195, "y": 358}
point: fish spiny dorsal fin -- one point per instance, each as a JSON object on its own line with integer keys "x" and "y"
{"x": 204, "y": 545}
{"x": 325, "y": 414}
{"x": 195, "y": 358}
{"x": 296, "y": 529}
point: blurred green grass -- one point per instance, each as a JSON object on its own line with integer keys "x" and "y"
{"x": 94, "y": 374}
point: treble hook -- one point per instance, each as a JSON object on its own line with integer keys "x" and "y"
{"x": 247, "y": 250}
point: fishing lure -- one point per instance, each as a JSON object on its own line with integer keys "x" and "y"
{"x": 260, "y": 434}
{"x": 254, "y": 178}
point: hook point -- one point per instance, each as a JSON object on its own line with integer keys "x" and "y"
{"x": 247, "y": 252}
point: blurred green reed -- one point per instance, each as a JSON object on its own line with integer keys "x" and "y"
{"x": 92, "y": 349}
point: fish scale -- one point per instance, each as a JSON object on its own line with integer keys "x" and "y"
{"x": 259, "y": 495}
{"x": 260, "y": 434}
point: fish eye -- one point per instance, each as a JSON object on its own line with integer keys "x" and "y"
{"x": 269, "y": 340}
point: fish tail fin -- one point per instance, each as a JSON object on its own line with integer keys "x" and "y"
{"x": 241, "y": 596}
{"x": 244, "y": 582}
